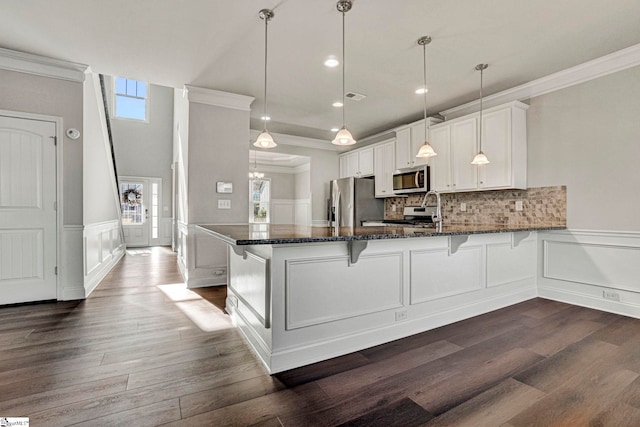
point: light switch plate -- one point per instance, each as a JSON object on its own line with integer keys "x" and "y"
{"x": 518, "y": 205}
{"x": 463, "y": 207}
{"x": 224, "y": 204}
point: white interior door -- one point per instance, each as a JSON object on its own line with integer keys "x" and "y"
{"x": 135, "y": 205}
{"x": 28, "y": 242}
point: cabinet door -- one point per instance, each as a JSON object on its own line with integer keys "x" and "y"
{"x": 441, "y": 164}
{"x": 344, "y": 169}
{"x": 384, "y": 166}
{"x": 417, "y": 139}
{"x": 463, "y": 148}
{"x": 403, "y": 147}
{"x": 365, "y": 162}
{"x": 496, "y": 144}
{"x": 352, "y": 164}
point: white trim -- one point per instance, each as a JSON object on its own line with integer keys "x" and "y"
{"x": 298, "y": 141}
{"x": 596, "y": 68}
{"x": 218, "y": 98}
{"x": 37, "y": 65}
{"x": 319, "y": 223}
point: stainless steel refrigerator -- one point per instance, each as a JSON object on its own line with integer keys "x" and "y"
{"x": 352, "y": 200}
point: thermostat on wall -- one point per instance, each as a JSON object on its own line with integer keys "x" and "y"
{"x": 224, "y": 187}
{"x": 73, "y": 133}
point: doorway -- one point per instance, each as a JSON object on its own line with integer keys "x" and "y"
{"x": 140, "y": 201}
{"x": 28, "y": 205}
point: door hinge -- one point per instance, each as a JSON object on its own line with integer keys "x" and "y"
{"x": 55, "y": 270}
{"x": 55, "y": 140}
{"x": 55, "y": 206}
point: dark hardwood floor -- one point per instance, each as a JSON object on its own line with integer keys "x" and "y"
{"x": 143, "y": 350}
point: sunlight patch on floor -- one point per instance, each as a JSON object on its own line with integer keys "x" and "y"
{"x": 201, "y": 312}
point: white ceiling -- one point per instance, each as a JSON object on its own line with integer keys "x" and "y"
{"x": 219, "y": 45}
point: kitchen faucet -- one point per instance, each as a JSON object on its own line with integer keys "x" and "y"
{"x": 437, "y": 218}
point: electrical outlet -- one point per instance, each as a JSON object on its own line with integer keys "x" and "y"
{"x": 401, "y": 315}
{"x": 224, "y": 204}
{"x": 518, "y": 205}
{"x": 394, "y": 207}
{"x": 463, "y": 207}
{"x": 610, "y": 295}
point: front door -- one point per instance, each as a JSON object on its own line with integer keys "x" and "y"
{"x": 28, "y": 232}
{"x": 134, "y": 202}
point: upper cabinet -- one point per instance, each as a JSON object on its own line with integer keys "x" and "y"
{"x": 384, "y": 166}
{"x": 357, "y": 163}
{"x": 504, "y": 141}
{"x": 409, "y": 139}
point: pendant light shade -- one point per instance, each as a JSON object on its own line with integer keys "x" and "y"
{"x": 426, "y": 150}
{"x": 480, "y": 158}
{"x": 343, "y": 137}
{"x": 265, "y": 140}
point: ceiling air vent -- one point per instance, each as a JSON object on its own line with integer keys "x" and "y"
{"x": 355, "y": 96}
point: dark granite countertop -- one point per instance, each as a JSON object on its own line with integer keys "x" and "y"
{"x": 265, "y": 234}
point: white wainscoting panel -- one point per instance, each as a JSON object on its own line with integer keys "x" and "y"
{"x": 436, "y": 274}
{"x": 321, "y": 290}
{"x": 302, "y": 212}
{"x": 251, "y": 286}
{"x": 597, "y": 269}
{"x": 282, "y": 211}
{"x": 103, "y": 248}
{"x": 71, "y": 283}
{"x": 507, "y": 264}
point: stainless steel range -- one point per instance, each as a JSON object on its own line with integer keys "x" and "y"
{"x": 413, "y": 216}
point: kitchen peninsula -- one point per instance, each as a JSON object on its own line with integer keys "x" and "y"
{"x": 305, "y": 294}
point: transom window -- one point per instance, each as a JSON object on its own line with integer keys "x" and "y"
{"x": 131, "y": 99}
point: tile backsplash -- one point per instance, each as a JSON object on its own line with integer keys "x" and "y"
{"x": 542, "y": 206}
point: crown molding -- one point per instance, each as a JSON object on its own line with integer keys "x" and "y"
{"x": 298, "y": 141}
{"x": 218, "y": 98}
{"x": 590, "y": 70}
{"x": 37, "y": 65}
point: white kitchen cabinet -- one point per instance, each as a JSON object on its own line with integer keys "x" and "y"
{"x": 357, "y": 163}
{"x": 408, "y": 141}
{"x": 464, "y": 135}
{"x": 403, "y": 148}
{"x": 504, "y": 141}
{"x": 440, "y": 165}
{"x": 384, "y": 156}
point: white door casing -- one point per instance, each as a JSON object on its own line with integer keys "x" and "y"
{"x": 28, "y": 220}
{"x": 135, "y": 222}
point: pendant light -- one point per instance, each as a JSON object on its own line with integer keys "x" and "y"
{"x": 254, "y": 174}
{"x": 343, "y": 137}
{"x": 265, "y": 140}
{"x": 480, "y": 158}
{"x": 426, "y": 150}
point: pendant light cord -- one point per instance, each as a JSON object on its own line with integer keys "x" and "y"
{"x": 266, "y": 23}
{"x": 424, "y": 58}
{"x": 343, "y": 70}
{"x": 480, "y": 124}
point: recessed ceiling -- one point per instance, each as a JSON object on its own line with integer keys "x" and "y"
{"x": 272, "y": 158}
{"x": 219, "y": 45}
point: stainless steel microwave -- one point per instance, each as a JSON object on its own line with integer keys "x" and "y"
{"x": 411, "y": 181}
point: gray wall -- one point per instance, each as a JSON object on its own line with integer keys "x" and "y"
{"x": 180, "y": 154}
{"x": 146, "y": 149}
{"x": 282, "y": 184}
{"x": 218, "y": 151}
{"x": 324, "y": 167}
{"x": 42, "y": 95}
{"x": 587, "y": 137}
{"x": 302, "y": 184}
{"x": 99, "y": 200}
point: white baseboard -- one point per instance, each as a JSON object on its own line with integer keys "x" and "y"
{"x": 583, "y": 299}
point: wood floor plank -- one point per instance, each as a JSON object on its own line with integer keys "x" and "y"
{"x": 404, "y": 413}
{"x": 491, "y": 408}
{"x": 323, "y": 369}
{"x": 354, "y": 379}
{"x": 145, "y": 416}
{"x": 59, "y": 367}
{"x": 618, "y": 414}
{"x": 580, "y": 399}
{"x": 442, "y": 396}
